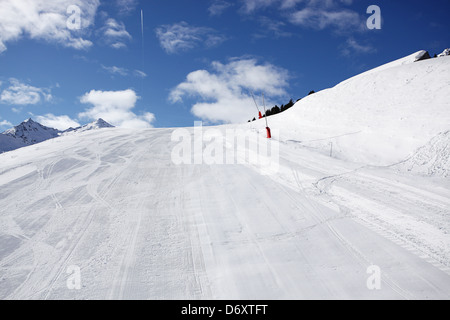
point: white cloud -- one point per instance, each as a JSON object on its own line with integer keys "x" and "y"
{"x": 140, "y": 74}
{"x": 2, "y": 47}
{"x": 287, "y": 4}
{"x": 115, "y": 34}
{"x": 5, "y": 124}
{"x": 116, "y": 70}
{"x": 320, "y": 19}
{"x": 272, "y": 28}
{"x": 217, "y": 7}
{"x": 352, "y": 45}
{"x": 118, "y": 45}
{"x": 19, "y": 93}
{"x": 84, "y": 58}
{"x": 149, "y": 117}
{"x": 45, "y": 20}
{"x": 250, "y": 6}
{"x": 115, "y": 29}
{"x": 225, "y": 91}
{"x": 115, "y": 107}
{"x": 315, "y": 14}
{"x": 126, "y": 6}
{"x": 58, "y": 122}
{"x": 183, "y": 37}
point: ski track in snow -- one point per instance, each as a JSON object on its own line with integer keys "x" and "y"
{"x": 140, "y": 227}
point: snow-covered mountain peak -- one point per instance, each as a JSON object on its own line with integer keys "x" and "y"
{"x": 98, "y": 124}
{"x": 446, "y": 52}
{"x": 31, "y": 132}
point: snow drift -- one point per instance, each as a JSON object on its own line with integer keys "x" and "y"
{"x": 379, "y": 117}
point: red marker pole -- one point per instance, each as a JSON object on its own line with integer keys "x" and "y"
{"x": 269, "y": 134}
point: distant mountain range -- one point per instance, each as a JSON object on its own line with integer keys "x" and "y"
{"x": 31, "y": 132}
{"x": 99, "y": 124}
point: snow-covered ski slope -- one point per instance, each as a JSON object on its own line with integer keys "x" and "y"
{"x": 379, "y": 117}
{"x": 113, "y": 204}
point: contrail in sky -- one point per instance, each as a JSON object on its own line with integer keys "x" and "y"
{"x": 142, "y": 23}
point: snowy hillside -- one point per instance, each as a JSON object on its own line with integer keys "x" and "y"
{"x": 379, "y": 117}
{"x": 397, "y": 63}
{"x": 114, "y": 211}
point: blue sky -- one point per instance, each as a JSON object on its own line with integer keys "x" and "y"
{"x": 68, "y": 62}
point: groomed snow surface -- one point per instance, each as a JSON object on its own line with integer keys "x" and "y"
{"x": 112, "y": 203}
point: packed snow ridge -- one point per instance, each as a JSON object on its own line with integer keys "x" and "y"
{"x": 30, "y": 132}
